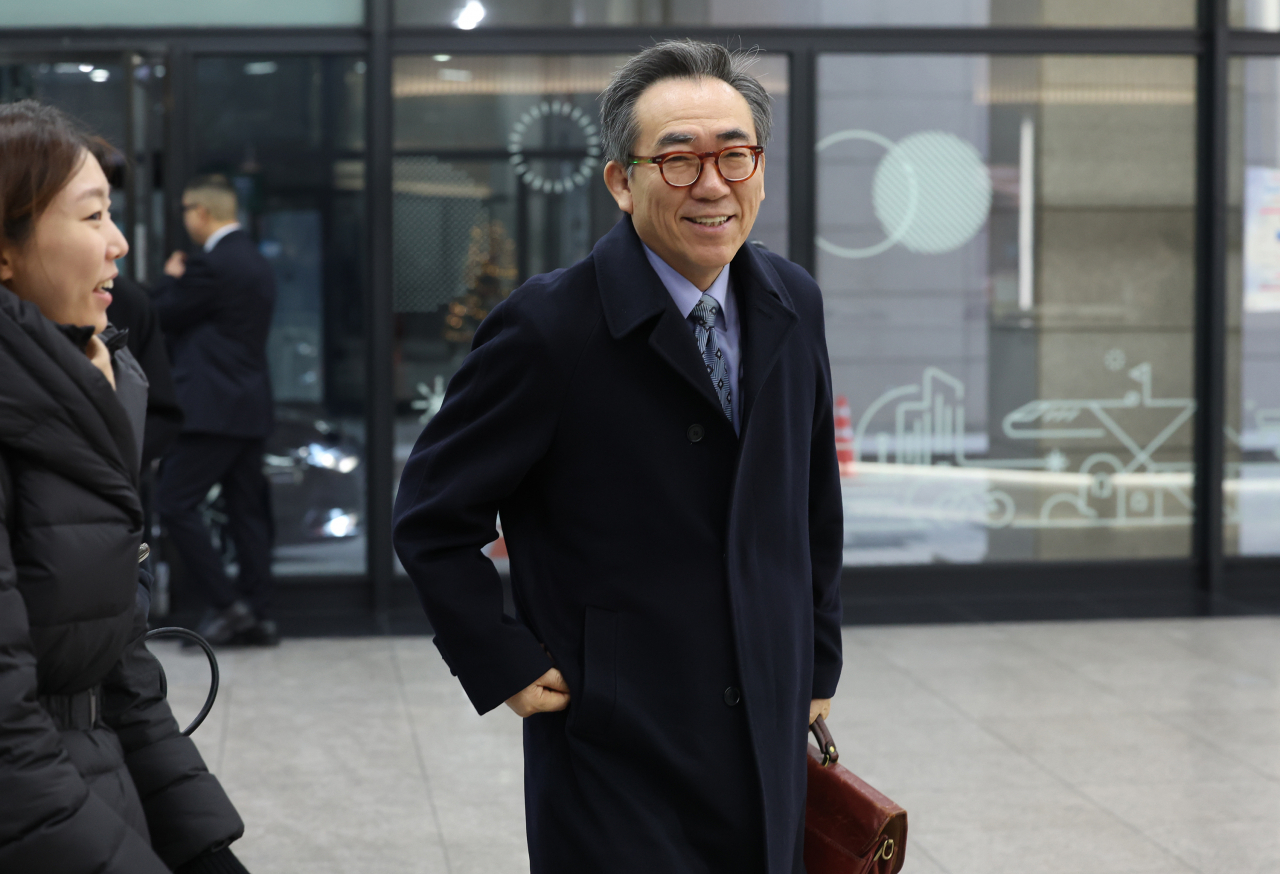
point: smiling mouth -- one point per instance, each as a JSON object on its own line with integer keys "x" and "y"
{"x": 710, "y": 221}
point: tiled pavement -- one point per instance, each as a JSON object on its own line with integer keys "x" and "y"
{"x": 1062, "y": 748}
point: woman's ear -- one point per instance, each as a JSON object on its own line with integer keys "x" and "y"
{"x": 6, "y": 265}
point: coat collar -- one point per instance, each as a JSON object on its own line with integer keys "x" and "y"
{"x": 768, "y": 318}
{"x": 56, "y": 406}
{"x": 113, "y": 338}
{"x": 632, "y": 295}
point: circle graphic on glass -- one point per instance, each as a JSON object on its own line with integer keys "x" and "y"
{"x": 931, "y": 192}
{"x": 521, "y": 163}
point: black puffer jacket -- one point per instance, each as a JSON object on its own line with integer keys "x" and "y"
{"x": 131, "y": 795}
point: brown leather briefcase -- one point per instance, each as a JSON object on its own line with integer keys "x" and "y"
{"x": 849, "y": 827}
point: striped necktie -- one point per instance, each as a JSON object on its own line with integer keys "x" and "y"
{"x": 703, "y": 319}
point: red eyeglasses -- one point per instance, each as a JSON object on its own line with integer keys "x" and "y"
{"x": 682, "y": 169}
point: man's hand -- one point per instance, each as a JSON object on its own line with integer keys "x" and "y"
{"x": 548, "y": 693}
{"x": 176, "y": 265}
{"x": 818, "y": 707}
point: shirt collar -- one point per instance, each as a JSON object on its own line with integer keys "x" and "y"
{"x": 216, "y": 237}
{"x": 685, "y": 293}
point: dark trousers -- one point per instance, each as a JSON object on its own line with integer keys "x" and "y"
{"x": 189, "y": 470}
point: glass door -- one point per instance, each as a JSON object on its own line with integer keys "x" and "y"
{"x": 288, "y": 131}
{"x": 119, "y": 96}
{"x": 497, "y": 177}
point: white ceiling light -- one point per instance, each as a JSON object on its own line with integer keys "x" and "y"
{"x": 470, "y": 15}
{"x": 442, "y": 58}
{"x": 260, "y": 68}
{"x": 86, "y": 68}
{"x": 99, "y": 75}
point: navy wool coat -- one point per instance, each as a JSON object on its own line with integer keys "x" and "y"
{"x": 683, "y": 579}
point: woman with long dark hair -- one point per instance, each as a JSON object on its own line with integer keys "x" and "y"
{"x": 94, "y": 773}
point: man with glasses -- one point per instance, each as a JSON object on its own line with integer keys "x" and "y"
{"x": 654, "y": 425}
{"x": 215, "y": 308}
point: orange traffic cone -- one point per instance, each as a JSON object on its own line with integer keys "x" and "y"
{"x": 844, "y": 437}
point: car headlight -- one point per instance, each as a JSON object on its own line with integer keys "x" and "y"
{"x": 341, "y": 524}
{"x": 329, "y": 458}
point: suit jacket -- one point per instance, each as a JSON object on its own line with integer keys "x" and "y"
{"x": 131, "y": 310}
{"x": 667, "y": 565}
{"x": 216, "y": 318}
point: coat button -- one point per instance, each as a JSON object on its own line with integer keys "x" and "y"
{"x": 695, "y": 433}
{"x": 732, "y": 696}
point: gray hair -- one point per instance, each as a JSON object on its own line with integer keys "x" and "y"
{"x": 674, "y": 59}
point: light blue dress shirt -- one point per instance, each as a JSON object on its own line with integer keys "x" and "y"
{"x": 728, "y": 328}
{"x": 216, "y": 237}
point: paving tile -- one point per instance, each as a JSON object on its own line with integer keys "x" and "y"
{"x": 1079, "y": 643}
{"x": 1037, "y": 748}
{"x": 1084, "y": 732}
{"x": 1107, "y": 849}
{"x": 1051, "y": 805}
{"x": 897, "y": 738}
{"x": 1186, "y": 802}
{"x": 918, "y": 859}
{"x": 321, "y": 761}
{"x": 1261, "y": 757}
{"x": 487, "y": 856}
{"x": 1237, "y": 690}
{"x": 1252, "y": 642}
{"x": 1224, "y": 727}
{"x": 985, "y": 772}
{"x": 1241, "y": 846}
{"x": 888, "y": 695}
{"x": 1187, "y": 759}
{"x": 1060, "y": 694}
{"x": 982, "y": 679}
{"x": 299, "y": 834}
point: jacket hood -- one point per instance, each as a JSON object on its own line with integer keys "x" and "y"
{"x": 57, "y": 408}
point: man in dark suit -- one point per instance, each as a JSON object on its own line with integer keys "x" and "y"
{"x": 654, "y": 425}
{"x": 215, "y": 308}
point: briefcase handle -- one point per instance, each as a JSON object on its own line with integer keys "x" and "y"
{"x": 827, "y": 744}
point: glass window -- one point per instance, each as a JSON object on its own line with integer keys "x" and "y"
{"x": 1255, "y": 14}
{"x": 1006, "y": 249}
{"x": 175, "y": 13}
{"x": 93, "y": 89}
{"x": 497, "y": 177}
{"x": 468, "y": 14}
{"x": 1251, "y": 511}
{"x": 289, "y": 132}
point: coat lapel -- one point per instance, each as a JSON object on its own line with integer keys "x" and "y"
{"x": 767, "y": 319}
{"x": 672, "y": 339}
{"x": 633, "y": 295}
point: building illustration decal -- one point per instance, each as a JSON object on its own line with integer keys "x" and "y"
{"x": 1090, "y": 462}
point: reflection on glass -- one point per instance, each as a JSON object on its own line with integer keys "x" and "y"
{"x": 468, "y": 14}
{"x": 1006, "y": 253}
{"x": 92, "y": 89}
{"x": 1255, "y": 14}
{"x": 1251, "y": 511}
{"x": 497, "y": 177}
{"x": 288, "y": 131}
